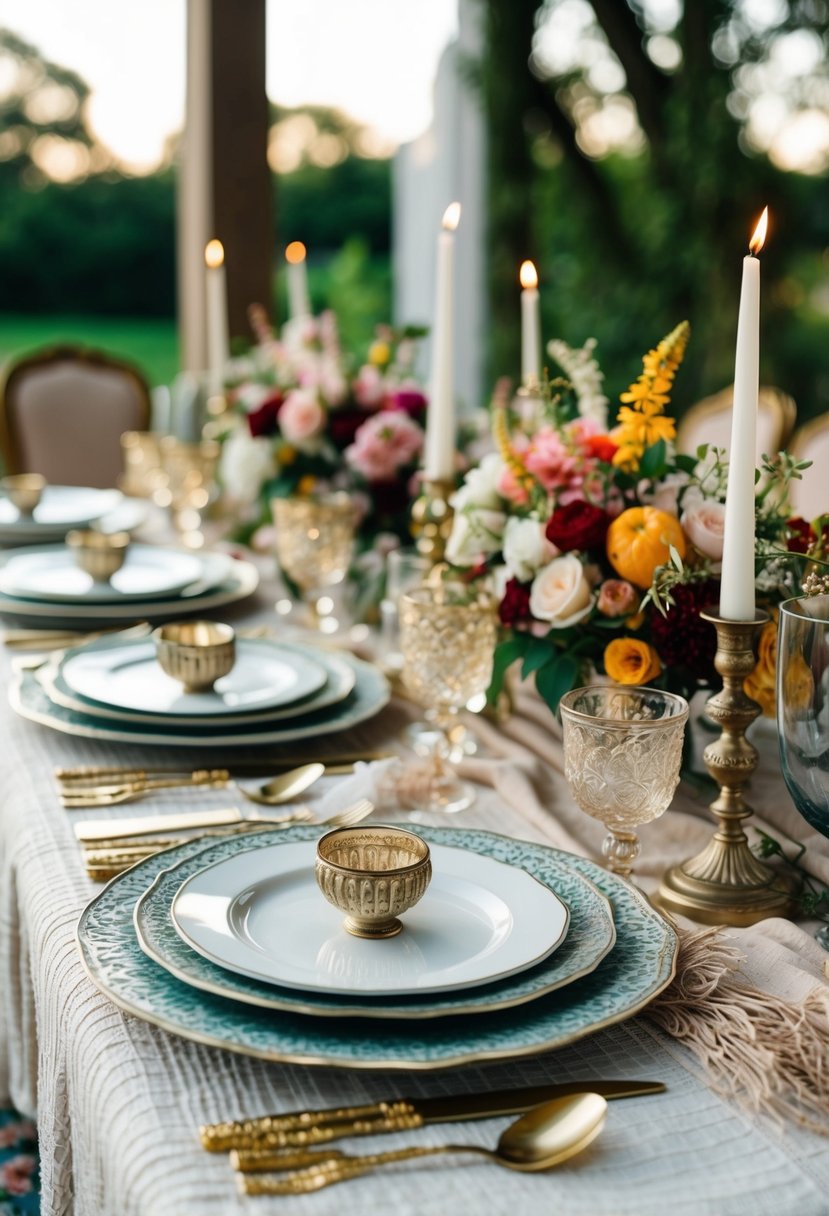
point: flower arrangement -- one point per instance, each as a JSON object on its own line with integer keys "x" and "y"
{"x": 307, "y": 418}
{"x": 605, "y": 543}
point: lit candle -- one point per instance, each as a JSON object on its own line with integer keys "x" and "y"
{"x": 217, "y": 341}
{"x": 530, "y": 326}
{"x": 299, "y": 303}
{"x": 439, "y": 460}
{"x": 737, "y": 587}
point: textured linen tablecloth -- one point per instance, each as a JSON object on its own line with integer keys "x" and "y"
{"x": 119, "y": 1102}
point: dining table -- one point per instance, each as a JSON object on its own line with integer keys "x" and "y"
{"x": 119, "y": 1101}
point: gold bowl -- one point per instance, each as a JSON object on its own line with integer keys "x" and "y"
{"x": 24, "y": 490}
{"x": 100, "y": 554}
{"x": 196, "y": 653}
{"x": 373, "y": 874}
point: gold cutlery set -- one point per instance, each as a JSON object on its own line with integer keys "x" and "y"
{"x": 282, "y": 1154}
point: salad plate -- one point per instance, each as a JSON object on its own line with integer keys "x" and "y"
{"x": 50, "y": 573}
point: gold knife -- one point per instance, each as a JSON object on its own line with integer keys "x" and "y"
{"x": 94, "y": 830}
{"x": 300, "y": 1129}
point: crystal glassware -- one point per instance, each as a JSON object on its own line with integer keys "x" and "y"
{"x": 405, "y": 568}
{"x": 622, "y": 754}
{"x": 803, "y": 710}
{"x": 187, "y": 485}
{"x": 447, "y": 638}
{"x": 314, "y": 547}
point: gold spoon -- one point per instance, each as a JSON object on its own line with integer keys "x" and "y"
{"x": 546, "y": 1136}
{"x": 284, "y": 787}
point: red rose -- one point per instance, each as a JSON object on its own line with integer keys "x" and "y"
{"x": 343, "y": 425}
{"x": 515, "y": 606}
{"x": 602, "y": 447}
{"x": 410, "y": 400}
{"x": 578, "y": 525}
{"x": 682, "y": 638}
{"x": 262, "y": 420}
{"x": 802, "y": 535}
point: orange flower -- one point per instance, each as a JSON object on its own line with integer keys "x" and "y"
{"x": 639, "y": 540}
{"x": 629, "y": 661}
{"x": 643, "y": 421}
{"x": 760, "y": 685}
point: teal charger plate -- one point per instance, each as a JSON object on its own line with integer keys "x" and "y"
{"x": 640, "y": 965}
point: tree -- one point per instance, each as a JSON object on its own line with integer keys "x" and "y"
{"x": 624, "y": 156}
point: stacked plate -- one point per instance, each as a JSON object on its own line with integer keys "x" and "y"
{"x": 42, "y": 586}
{"x": 115, "y": 689}
{"x": 231, "y": 944}
{"x": 60, "y": 508}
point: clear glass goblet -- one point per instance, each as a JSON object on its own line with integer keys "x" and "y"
{"x": 314, "y": 546}
{"x": 803, "y": 710}
{"x": 447, "y": 639}
{"x": 187, "y": 485}
{"x": 622, "y": 754}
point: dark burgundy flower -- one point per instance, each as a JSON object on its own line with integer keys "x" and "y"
{"x": 262, "y": 420}
{"x": 683, "y": 639}
{"x": 410, "y": 400}
{"x": 515, "y": 606}
{"x": 578, "y": 525}
{"x": 388, "y": 498}
{"x": 343, "y": 425}
{"x": 802, "y": 535}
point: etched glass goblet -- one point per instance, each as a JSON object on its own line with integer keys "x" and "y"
{"x": 622, "y": 753}
{"x": 314, "y": 546}
{"x": 447, "y": 639}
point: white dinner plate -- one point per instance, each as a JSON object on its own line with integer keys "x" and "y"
{"x": 127, "y": 675}
{"x": 50, "y": 573}
{"x": 262, "y": 915}
{"x": 340, "y": 681}
{"x": 60, "y": 508}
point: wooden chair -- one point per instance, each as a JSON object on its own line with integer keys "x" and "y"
{"x": 63, "y": 411}
{"x": 709, "y": 421}
{"x": 810, "y": 496}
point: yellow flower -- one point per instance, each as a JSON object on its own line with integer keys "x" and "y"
{"x": 629, "y": 661}
{"x": 286, "y": 454}
{"x": 306, "y": 484}
{"x": 379, "y": 353}
{"x": 760, "y": 685}
{"x": 642, "y": 420}
{"x": 799, "y": 683}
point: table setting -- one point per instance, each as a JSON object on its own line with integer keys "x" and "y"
{"x": 271, "y": 882}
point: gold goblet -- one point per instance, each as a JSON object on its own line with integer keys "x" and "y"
{"x": 447, "y": 639}
{"x": 188, "y": 485}
{"x": 622, "y": 753}
{"x": 314, "y": 546}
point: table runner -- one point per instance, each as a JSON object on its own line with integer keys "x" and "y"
{"x": 119, "y": 1102}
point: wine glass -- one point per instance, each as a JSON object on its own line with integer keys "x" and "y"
{"x": 447, "y": 638}
{"x": 314, "y": 546}
{"x": 803, "y": 710}
{"x": 622, "y": 753}
{"x": 405, "y": 568}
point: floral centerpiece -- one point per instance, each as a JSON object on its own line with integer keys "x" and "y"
{"x": 307, "y": 418}
{"x": 604, "y": 543}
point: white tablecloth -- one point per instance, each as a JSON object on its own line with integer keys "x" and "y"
{"x": 119, "y": 1102}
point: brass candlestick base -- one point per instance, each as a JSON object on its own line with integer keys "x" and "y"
{"x": 726, "y": 884}
{"x": 431, "y": 521}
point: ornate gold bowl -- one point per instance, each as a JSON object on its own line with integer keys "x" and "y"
{"x": 196, "y": 653}
{"x": 100, "y": 554}
{"x": 24, "y": 490}
{"x": 373, "y": 874}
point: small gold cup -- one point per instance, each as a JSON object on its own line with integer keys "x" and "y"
{"x": 100, "y": 554}
{"x": 373, "y": 874}
{"x": 196, "y": 653}
{"x": 24, "y": 490}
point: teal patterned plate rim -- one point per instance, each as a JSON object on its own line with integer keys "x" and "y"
{"x": 591, "y": 934}
{"x": 370, "y": 694}
{"x": 641, "y": 964}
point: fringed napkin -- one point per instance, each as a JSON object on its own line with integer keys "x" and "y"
{"x": 767, "y": 1054}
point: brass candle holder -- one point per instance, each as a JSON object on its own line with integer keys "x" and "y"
{"x": 431, "y": 522}
{"x": 726, "y": 883}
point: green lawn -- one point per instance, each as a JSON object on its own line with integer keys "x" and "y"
{"x": 150, "y": 343}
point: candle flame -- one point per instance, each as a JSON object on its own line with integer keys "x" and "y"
{"x": 214, "y": 254}
{"x": 758, "y": 240}
{"x": 528, "y": 275}
{"x": 452, "y": 217}
{"x": 295, "y": 253}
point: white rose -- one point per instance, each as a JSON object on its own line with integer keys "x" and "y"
{"x": 703, "y": 523}
{"x": 526, "y": 548}
{"x": 475, "y": 534}
{"x": 665, "y": 494}
{"x": 560, "y": 593}
{"x": 246, "y": 464}
{"x": 479, "y": 485}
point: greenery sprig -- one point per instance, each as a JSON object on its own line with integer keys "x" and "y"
{"x": 812, "y": 896}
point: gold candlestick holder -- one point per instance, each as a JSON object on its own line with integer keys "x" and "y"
{"x": 726, "y": 884}
{"x": 431, "y": 522}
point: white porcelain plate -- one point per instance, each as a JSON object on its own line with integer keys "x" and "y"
{"x": 50, "y": 573}
{"x": 128, "y": 676}
{"x": 60, "y": 508}
{"x": 262, "y": 915}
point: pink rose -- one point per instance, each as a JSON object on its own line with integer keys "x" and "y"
{"x": 301, "y": 417}
{"x": 16, "y": 1174}
{"x": 560, "y": 593}
{"x": 369, "y": 388}
{"x": 551, "y": 462}
{"x": 617, "y": 597}
{"x": 384, "y": 444}
{"x": 703, "y": 524}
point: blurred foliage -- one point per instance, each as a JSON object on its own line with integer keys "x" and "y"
{"x": 632, "y": 237}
